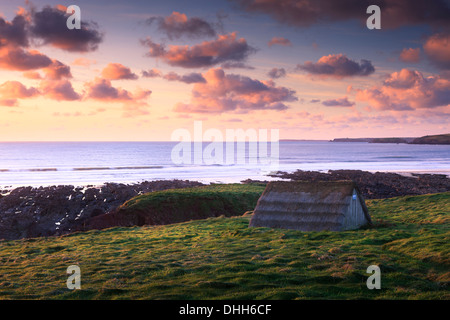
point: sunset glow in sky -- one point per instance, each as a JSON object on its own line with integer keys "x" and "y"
{"x": 138, "y": 70}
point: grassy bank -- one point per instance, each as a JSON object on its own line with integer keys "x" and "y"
{"x": 221, "y": 258}
{"x": 180, "y": 205}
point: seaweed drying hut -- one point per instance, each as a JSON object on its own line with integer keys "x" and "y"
{"x": 311, "y": 206}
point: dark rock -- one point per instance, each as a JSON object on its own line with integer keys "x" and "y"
{"x": 28, "y": 212}
{"x": 96, "y": 212}
{"x": 380, "y": 184}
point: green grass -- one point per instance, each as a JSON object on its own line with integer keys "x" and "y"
{"x": 189, "y": 204}
{"x": 221, "y": 258}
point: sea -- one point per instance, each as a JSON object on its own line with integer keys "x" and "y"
{"x": 95, "y": 163}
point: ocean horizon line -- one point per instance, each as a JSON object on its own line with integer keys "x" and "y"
{"x": 76, "y": 162}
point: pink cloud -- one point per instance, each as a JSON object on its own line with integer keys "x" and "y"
{"x": 34, "y": 75}
{"x": 337, "y": 66}
{"x": 279, "y": 41}
{"x": 206, "y": 54}
{"x": 410, "y": 55}
{"x": 8, "y": 102}
{"x": 407, "y": 90}
{"x": 134, "y": 104}
{"x": 117, "y": 71}
{"x": 404, "y": 79}
{"x": 437, "y": 48}
{"x": 83, "y": 62}
{"x": 68, "y": 114}
{"x": 15, "y": 58}
{"x": 234, "y": 120}
{"x": 16, "y": 90}
{"x": 11, "y": 91}
{"x": 341, "y": 102}
{"x": 235, "y": 93}
{"x": 101, "y": 89}
{"x": 153, "y": 73}
{"x": 135, "y": 109}
{"x": 60, "y": 90}
{"x": 53, "y": 86}
{"x": 57, "y": 71}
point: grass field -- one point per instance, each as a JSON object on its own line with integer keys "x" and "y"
{"x": 189, "y": 204}
{"x": 221, "y": 258}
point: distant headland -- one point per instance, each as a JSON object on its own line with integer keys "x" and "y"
{"x": 432, "y": 139}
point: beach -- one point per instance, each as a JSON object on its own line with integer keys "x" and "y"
{"x": 50, "y": 188}
{"x": 55, "y": 210}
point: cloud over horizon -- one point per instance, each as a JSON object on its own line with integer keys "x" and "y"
{"x": 235, "y": 93}
{"x": 102, "y": 90}
{"x": 60, "y": 90}
{"x": 117, "y": 71}
{"x": 341, "y": 102}
{"x": 133, "y": 103}
{"x": 11, "y": 91}
{"x": 337, "y": 66}
{"x": 407, "y": 90}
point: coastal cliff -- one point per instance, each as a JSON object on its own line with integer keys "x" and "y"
{"x": 433, "y": 139}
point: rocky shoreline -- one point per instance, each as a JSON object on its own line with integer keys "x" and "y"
{"x": 28, "y": 212}
{"x": 378, "y": 185}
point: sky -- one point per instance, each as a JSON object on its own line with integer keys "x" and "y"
{"x": 140, "y": 70}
